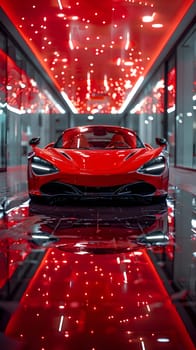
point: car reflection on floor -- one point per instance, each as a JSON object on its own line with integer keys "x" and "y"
{"x": 90, "y": 277}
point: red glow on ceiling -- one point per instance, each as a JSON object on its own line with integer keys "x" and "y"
{"x": 96, "y": 54}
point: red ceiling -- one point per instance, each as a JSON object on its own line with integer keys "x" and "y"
{"x": 96, "y": 51}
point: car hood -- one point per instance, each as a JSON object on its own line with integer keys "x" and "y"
{"x": 101, "y": 160}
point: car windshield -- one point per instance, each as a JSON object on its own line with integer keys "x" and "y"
{"x": 98, "y": 138}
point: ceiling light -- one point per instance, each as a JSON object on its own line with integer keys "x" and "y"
{"x": 157, "y": 25}
{"x": 70, "y": 42}
{"x": 128, "y": 63}
{"x": 60, "y": 15}
{"x": 69, "y": 103}
{"x": 148, "y": 19}
{"x": 127, "y": 43}
{"x": 75, "y": 18}
{"x": 163, "y": 340}
{"x": 118, "y": 61}
{"x": 60, "y": 4}
{"x": 90, "y": 117}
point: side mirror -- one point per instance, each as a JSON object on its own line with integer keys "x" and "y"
{"x": 160, "y": 141}
{"x": 34, "y": 141}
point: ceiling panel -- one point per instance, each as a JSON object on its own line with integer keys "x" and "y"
{"x": 96, "y": 51}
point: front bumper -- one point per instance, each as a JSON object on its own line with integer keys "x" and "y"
{"x": 137, "y": 191}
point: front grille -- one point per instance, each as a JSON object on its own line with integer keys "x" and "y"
{"x": 140, "y": 188}
{"x": 58, "y": 188}
{"x": 98, "y": 189}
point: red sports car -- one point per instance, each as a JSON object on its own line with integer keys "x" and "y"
{"x": 98, "y": 162}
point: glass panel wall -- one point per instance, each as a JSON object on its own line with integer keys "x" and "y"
{"x": 28, "y": 107}
{"x": 150, "y": 110}
{"x": 2, "y": 103}
{"x": 186, "y": 102}
{"x": 171, "y": 109}
{"x": 167, "y": 105}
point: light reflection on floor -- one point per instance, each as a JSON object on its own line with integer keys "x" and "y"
{"x": 97, "y": 277}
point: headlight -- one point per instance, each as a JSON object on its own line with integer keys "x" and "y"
{"x": 42, "y": 167}
{"x": 154, "y": 166}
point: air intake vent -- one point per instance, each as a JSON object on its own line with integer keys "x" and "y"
{"x": 66, "y": 155}
{"x": 130, "y": 155}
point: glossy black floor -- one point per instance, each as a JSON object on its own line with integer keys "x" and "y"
{"x": 97, "y": 276}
